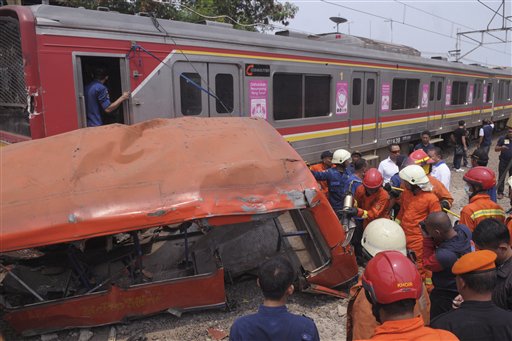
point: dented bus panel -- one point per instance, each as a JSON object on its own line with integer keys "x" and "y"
{"x": 105, "y": 224}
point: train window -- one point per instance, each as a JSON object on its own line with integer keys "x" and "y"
{"x": 489, "y": 93}
{"x": 224, "y": 92}
{"x": 370, "y": 91}
{"x": 459, "y": 93}
{"x": 356, "y": 91}
{"x": 431, "y": 91}
{"x": 317, "y": 96}
{"x": 190, "y": 95}
{"x": 405, "y": 93}
{"x": 287, "y": 95}
{"x": 439, "y": 90}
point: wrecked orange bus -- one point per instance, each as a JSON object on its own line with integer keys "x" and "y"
{"x": 100, "y": 225}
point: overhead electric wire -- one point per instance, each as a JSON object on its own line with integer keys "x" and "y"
{"x": 409, "y": 25}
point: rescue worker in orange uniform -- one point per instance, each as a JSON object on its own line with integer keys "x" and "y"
{"x": 420, "y": 158}
{"x": 380, "y": 235}
{"x": 372, "y": 200}
{"x": 478, "y": 181}
{"x": 393, "y": 285}
{"x": 326, "y": 163}
{"x": 416, "y": 203}
{"x": 508, "y": 221}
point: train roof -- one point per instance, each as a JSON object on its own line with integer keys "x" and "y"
{"x": 117, "y": 178}
{"x": 133, "y": 27}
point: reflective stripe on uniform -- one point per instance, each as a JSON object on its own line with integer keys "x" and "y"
{"x": 487, "y": 213}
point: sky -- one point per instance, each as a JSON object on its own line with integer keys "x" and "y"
{"x": 428, "y": 26}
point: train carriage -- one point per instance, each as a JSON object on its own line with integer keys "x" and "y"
{"x": 320, "y": 92}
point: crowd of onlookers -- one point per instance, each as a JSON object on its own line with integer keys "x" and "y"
{"x": 425, "y": 278}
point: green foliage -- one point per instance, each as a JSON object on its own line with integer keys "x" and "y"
{"x": 243, "y": 14}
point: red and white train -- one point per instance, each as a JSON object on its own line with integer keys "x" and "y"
{"x": 320, "y": 92}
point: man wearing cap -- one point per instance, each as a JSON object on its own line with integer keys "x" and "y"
{"x": 492, "y": 235}
{"x": 388, "y": 167}
{"x": 480, "y": 158}
{"x": 478, "y": 318}
{"x": 442, "y": 246}
{"x": 326, "y": 163}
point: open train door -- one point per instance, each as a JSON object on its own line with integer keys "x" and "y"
{"x": 435, "y": 104}
{"x": 363, "y": 113}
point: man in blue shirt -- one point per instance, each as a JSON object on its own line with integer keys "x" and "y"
{"x": 504, "y": 146}
{"x": 97, "y": 99}
{"x": 425, "y": 142}
{"x": 273, "y": 321}
{"x": 336, "y": 178}
{"x": 485, "y": 136}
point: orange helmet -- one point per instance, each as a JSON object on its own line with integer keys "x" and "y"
{"x": 420, "y": 158}
{"x": 372, "y": 178}
{"x": 390, "y": 276}
{"x": 481, "y": 176}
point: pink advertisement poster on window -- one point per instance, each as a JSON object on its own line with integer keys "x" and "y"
{"x": 258, "y": 92}
{"x": 385, "y": 99}
{"x": 470, "y": 95}
{"x": 424, "y": 96}
{"x": 485, "y": 94}
{"x": 341, "y": 98}
{"x": 448, "y": 99}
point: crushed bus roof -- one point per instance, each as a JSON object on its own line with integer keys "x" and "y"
{"x": 117, "y": 178}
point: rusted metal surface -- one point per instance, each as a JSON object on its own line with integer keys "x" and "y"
{"x": 119, "y": 178}
{"x": 116, "y": 222}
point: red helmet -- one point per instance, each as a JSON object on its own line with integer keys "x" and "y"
{"x": 390, "y": 276}
{"x": 420, "y": 158}
{"x": 372, "y": 178}
{"x": 481, "y": 176}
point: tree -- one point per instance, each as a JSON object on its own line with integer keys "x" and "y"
{"x": 243, "y": 14}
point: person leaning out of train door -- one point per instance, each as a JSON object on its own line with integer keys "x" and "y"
{"x": 477, "y": 181}
{"x": 425, "y": 144}
{"x": 461, "y": 146}
{"x": 388, "y": 167}
{"x": 380, "y": 235}
{"x": 480, "y": 158}
{"x": 442, "y": 246}
{"x": 393, "y": 285}
{"x": 485, "y": 136}
{"x": 336, "y": 178}
{"x": 97, "y": 99}
{"x": 416, "y": 203}
{"x": 504, "y": 146}
{"x": 420, "y": 158}
{"x": 325, "y": 164}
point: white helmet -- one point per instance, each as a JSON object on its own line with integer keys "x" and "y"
{"x": 383, "y": 235}
{"x": 339, "y": 156}
{"x": 510, "y": 181}
{"x": 415, "y": 175}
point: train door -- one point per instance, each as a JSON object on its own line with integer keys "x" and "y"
{"x": 206, "y": 89}
{"x": 116, "y": 67}
{"x": 363, "y": 112}
{"x": 477, "y": 99}
{"x": 435, "y": 103}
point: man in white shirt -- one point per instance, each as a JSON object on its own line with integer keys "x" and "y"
{"x": 388, "y": 167}
{"x": 440, "y": 169}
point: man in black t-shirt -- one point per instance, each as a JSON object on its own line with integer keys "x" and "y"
{"x": 504, "y": 146}
{"x": 461, "y": 147}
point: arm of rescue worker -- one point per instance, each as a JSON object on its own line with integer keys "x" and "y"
{"x": 434, "y": 206}
{"x": 465, "y": 219}
{"x": 441, "y": 191}
{"x": 321, "y": 176}
{"x": 429, "y": 255}
{"x": 377, "y": 210}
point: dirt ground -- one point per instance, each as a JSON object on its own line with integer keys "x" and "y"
{"x": 328, "y": 313}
